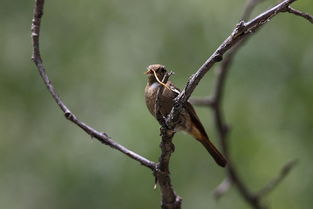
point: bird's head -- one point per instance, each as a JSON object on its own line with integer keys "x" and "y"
{"x": 155, "y": 70}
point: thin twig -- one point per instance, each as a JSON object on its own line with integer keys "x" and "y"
{"x": 275, "y": 181}
{"x": 102, "y": 137}
{"x": 300, "y": 13}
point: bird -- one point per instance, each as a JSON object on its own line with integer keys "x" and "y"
{"x": 189, "y": 121}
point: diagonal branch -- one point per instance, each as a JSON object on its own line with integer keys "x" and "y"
{"x": 241, "y": 31}
{"x": 215, "y": 102}
{"x": 300, "y": 13}
{"x": 275, "y": 181}
{"x": 102, "y": 137}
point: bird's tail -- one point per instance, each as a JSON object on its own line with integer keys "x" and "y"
{"x": 204, "y": 140}
{"x": 217, "y": 156}
{"x": 198, "y": 132}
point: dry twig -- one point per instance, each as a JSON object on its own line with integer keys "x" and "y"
{"x": 300, "y": 13}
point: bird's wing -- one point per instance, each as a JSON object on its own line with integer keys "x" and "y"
{"x": 195, "y": 118}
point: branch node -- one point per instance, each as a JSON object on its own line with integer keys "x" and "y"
{"x": 214, "y": 102}
{"x": 286, "y": 9}
{"x": 240, "y": 26}
{"x": 68, "y": 115}
{"x": 218, "y": 58}
{"x": 239, "y": 29}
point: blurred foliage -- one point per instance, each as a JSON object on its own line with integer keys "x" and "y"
{"x": 96, "y": 53}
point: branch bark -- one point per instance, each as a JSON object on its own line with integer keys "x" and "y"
{"x": 220, "y": 123}
{"x": 300, "y": 14}
{"x": 161, "y": 170}
{"x": 170, "y": 200}
{"x": 102, "y": 137}
{"x": 241, "y": 31}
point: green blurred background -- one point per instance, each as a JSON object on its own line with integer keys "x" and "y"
{"x": 96, "y": 52}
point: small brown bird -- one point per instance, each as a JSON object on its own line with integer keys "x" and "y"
{"x": 189, "y": 121}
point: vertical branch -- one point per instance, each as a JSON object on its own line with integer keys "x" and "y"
{"x": 220, "y": 123}
{"x": 36, "y": 22}
{"x": 170, "y": 200}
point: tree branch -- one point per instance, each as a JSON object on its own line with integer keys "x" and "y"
{"x": 215, "y": 103}
{"x": 102, "y": 137}
{"x": 300, "y": 13}
{"x": 241, "y": 31}
{"x": 161, "y": 170}
{"x": 275, "y": 181}
{"x": 170, "y": 200}
{"x": 221, "y": 125}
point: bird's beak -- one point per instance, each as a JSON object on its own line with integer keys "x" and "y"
{"x": 149, "y": 71}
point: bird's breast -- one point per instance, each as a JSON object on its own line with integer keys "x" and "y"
{"x": 150, "y": 96}
{"x": 166, "y": 98}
